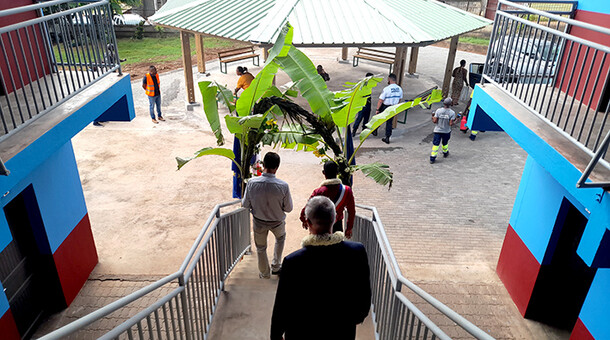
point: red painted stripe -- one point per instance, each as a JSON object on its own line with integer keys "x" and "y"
{"x": 518, "y": 269}
{"x": 580, "y": 332}
{"x": 567, "y": 63}
{"x": 8, "y": 327}
{"x": 75, "y": 259}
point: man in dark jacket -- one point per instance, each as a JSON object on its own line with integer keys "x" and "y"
{"x": 324, "y": 289}
{"x": 341, "y": 195}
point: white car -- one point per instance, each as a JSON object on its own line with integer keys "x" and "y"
{"x": 129, "y": 20}
{"x": 531, "y": 59}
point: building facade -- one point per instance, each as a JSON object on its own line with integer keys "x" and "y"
{"x": 58, "y": 73}
{"x": 547, "y": 84}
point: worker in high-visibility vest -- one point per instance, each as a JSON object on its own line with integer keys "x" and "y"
{"x": 444, "y": 118}
{"x": 150, "y": 84}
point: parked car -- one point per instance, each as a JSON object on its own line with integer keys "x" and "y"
{"x": 504, "y": 74}
{"x": 129, "y": 19}
{"x": 532, "y": 60}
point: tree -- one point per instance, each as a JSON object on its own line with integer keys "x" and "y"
{"x": 115, "y": 5}
{"x": 263, "y": 105}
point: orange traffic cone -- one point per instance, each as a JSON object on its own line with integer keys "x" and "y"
{"x": 463, "y": 126}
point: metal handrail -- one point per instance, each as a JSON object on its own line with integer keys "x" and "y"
{"x": 33, "y": 7}
{"x": 597, "y": 159}
{"x": 392, "y": 264}
{"x": 182, "y": 275}
{"x": 52, "y": 57}
{"x": 190, "y": 300}
{"x": 556, "y": 17}
{"x": 569, "y": 68}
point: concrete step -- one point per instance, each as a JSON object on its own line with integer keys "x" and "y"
{"x": 245, "y": 307}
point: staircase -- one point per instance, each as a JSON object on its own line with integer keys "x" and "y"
{"x": 245, "y": 306}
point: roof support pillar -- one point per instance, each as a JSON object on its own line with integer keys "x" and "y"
{"x": 265, "y": 54}
{"x": 200, "y": 53}
{"x": 399, "y": 64}
{"x": 413, "y": 59}
{"x": 344, "y": 53}
{"x": 187, "y": 63}
{"x": 450, "y": 62}
{"x": 399, "y": 71}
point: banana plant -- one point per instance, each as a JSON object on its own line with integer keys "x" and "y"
{"x": 254, "y": 117}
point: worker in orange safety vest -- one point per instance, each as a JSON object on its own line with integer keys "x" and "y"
{"x": 150, "y": 84}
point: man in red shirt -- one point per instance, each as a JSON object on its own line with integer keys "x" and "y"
{"x": 341, "y": 195}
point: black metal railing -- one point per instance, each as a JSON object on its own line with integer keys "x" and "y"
{"x": 48, "y": 53}
{"x": 550, "y": 63}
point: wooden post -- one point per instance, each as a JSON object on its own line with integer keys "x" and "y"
{"x": 413, "y": 59}
{"x": 265, "y": 54}
{"x": 399, "y": 64}
{"x": 399, "y": 71}
{"x": 344, "y": 53}
{"x": 449, "y": 67}
{"x": 187, "y": 63}
{"x": 200, "y": 54}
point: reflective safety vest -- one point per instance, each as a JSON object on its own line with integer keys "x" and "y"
{"x": 150, "y": 86}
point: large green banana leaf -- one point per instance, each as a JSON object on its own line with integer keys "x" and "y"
{"x": 210, "y": 107}
{"x": 379, "y": 172}
{"x": 393, "y": 110}
{"x": 312, "y": 87}
{"x": 228, "y": 153}
{"x": 264, "y": 79}
{"x": 382, "y": 117}
{"x": 293, "y": 136}
{"x": 225, "y": 96}
{"x": 242, "y": 124}
{"x": 302, "y": 71}
{"x": 353, "y": 99}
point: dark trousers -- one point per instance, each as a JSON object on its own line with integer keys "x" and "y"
{"x": 363, "y": 116}
{"x": 388, "y": 124}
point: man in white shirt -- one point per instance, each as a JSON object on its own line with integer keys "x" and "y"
{"x": 391, "y": 95}
{"x": 268, "y": 198}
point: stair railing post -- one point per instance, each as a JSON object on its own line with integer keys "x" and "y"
{"x": 185, "y": 310}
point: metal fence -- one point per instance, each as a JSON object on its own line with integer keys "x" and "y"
{"x": 396, "y": 317}
{"x": 563, "y": 77}
{"x": 472, "y": 6}
{"x": 61, "y": 48}
{"x": 187, "y": 311}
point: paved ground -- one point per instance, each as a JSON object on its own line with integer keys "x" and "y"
{"x": 446, "y": 221}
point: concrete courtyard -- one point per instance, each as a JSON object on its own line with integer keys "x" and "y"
{"x": 445, "y": 221}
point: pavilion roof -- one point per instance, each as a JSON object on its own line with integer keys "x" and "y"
{"x": 322, "y": 22}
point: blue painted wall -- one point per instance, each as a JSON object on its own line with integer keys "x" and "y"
{"x": 536, "y": 207}
{"x": 3, "y": 302}
{"x": 60, "y": 195}
{"x": 595, "y": 312}
{"x": 5, "y": 232}
{"x": 599, "y": 6}
{"x": 593, "y": 203}
{"x": 36, "y": 153}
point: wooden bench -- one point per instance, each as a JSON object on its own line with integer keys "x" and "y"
{"x": 422, "y": 95}
{"x": 375, "y": 55}
{"x": 237, "y": 54}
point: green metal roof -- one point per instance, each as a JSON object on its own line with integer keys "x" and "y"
{"x": 322, "y": 22}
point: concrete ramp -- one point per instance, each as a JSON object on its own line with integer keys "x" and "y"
{"x": 244, "y": 308}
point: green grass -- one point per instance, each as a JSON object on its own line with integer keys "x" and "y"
{"x": 475, "y": 40}
{"x": 158, "y": 49}
{"x": 163, "y": 49}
